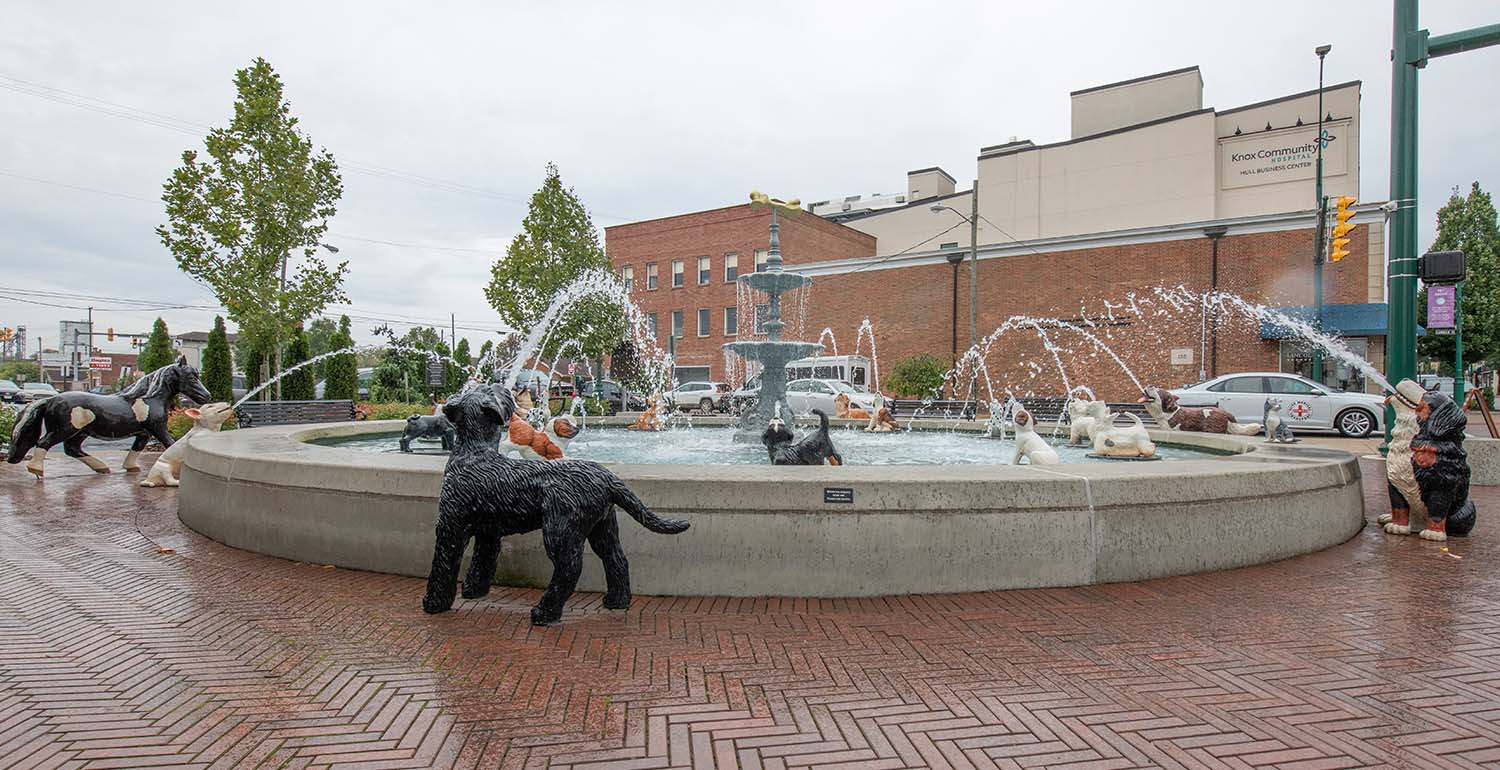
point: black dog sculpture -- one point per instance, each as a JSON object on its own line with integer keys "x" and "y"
{"x": 816, "y": 449}
{"x": 140, "y": 411}
{"x": 427, "y": 426}
{"x": 487, "y": 496}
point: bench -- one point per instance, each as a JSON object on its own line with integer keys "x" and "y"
{"x": 936, "y": 408}
{"x": 1049, "y": 409}
{"x": 259, "y": 413}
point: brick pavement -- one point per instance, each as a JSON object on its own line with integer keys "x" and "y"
{"x": 127, "y": 641}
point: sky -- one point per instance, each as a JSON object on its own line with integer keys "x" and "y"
{"x": 444, "y": 116}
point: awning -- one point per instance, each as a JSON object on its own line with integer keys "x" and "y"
{"x": 1357, "y": 319}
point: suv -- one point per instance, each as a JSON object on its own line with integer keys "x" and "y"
{"x": 703, "y": 396}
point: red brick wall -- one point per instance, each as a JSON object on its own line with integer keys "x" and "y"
{"x": 911, "y": 308}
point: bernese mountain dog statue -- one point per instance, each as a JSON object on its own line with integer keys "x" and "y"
{"x": 1427, "y": 470}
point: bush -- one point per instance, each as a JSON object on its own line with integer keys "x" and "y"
{"x": 8, "y": 415}
{"x": 390, "y": 410}
{"x": 179, "y": 423}
{"x": 916, "y": 377}
{"x": 1489, "y": 397}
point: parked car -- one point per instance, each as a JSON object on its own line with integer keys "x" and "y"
{"x": 366, "y": 375}
{"x": 10, "y": 391}
{"x": 611, "y": 393}
{"x": 1305, "y": 404}
{"x": 745, "y": 394}
{"x": 36, "y": 391}
{"x": 703, "y": 396}
{"x": 1434, "y": 382}
{"x": 803, "y": 396}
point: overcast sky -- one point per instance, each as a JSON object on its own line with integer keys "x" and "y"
{"x": 649, "y": 109}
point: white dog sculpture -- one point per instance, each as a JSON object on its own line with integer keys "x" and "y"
{"x": 1130, "y": 441}
{"x": 1029, "y": 445}
{"x": 1086, "y": 418}
{"x": 995, "y": 427}
{"x": 168, "y": 466}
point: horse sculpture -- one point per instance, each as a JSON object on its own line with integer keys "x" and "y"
{"x": 140, "y": 411}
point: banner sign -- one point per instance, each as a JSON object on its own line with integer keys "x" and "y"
{"x": 101, "y": 363}
{"x": 1440, "y": 307}
{"x": 1282, "y": 155}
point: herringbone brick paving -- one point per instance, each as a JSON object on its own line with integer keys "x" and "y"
{"x": 127, "y": 641}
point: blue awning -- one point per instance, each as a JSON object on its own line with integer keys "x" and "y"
{"x": 1359, "y": 319}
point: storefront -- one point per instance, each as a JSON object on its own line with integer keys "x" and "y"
{"x": 1360, "y": 327}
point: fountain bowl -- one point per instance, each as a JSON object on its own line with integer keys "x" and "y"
{"x": 807, "y": 531}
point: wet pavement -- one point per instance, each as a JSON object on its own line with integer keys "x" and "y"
{"x": 127, "y": 641}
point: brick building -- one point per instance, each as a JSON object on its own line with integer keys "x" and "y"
{"x": 1152, "y": 191}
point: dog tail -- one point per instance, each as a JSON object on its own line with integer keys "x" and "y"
{"x": 623, "y": 497}
{"x": 822, "y": 419}
{"x": 27, "y": 431}
{"x": 1244, "y": 428}
{"x": 1461, "y": 521}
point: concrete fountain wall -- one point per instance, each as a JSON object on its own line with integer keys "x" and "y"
{"x": 763, "y": 531}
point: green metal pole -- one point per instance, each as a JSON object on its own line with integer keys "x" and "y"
{"x": 1401, "y": 260}
{"x": 1458, "y": 343}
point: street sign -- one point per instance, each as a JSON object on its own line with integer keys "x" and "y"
{"x": 437, "y": 374}
{"x": 1440, "y": 307}
{"x": 1441, "y": 267}
{"x": 101, "y": 363}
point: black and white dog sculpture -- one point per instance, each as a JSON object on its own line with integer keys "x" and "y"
{"x": 427, "y": 426}
{"x": 487, "y": 496}
{"x": 784, "y": 449}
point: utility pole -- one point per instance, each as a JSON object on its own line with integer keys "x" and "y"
{"x": 1322, "y": 206}
{"x": 974, "y": 265}
{"x": 1411, "y": 48}
{"x": 1458, "y": 344}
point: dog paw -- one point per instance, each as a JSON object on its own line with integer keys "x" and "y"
{"x": 1383, "y": 519}
{"x": 1397, "y": 529}
{"x": 1432, "y": 534}
{"x": 540, "y": 617}
{"x": 433, "y": 605}
{"x": 475, "y": 590}
{"x": 614, "y": 602}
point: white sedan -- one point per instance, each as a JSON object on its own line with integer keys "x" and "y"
{"x": 803, "y": 396}
{"x": 1305, "y": 404}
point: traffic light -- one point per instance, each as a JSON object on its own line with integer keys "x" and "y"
{"x": 110, "y": 334}
{"x": 1342, "y": 228}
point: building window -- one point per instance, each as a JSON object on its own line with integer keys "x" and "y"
{"x": 731, "y": 267}
{"x": 703, "y": 322}
{"x": 952, "y": 245}
{"x": 677, "y": 324}
{"x": 731, "y": 321}
{"x": 761, "y": 256}
{"x": 650, "y": 276}
{"x": 651, "y": 324}
{"x": 762, "y": 315}
{"x": 705, "y": 266}
{"x": 677, "y": 273}
{"x": 628, "y": 276}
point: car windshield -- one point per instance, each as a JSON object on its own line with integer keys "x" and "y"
{"x": 8, "y": 385}
{"x": 37, "y": 386}
{"x": 843, "y": 387}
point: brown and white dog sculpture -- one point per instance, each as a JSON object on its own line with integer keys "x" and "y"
{"x": 1199, "y": 419}
{"x": 649, "y": 419}
{"x": 528, "y": 443}
{"x": 881, "y": 419}
{"x": 1427, "y": 470}
{"x": 843, "y": 411}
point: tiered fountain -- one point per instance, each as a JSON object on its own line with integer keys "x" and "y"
{"x": 772, "y": 353}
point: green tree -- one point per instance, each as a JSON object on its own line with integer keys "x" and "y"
{"x": 262, "y": 199}
{"x": 254, "y": 360}
{"x": 20, "y": 371}
{"x": 297, "y": 385}
{"x": 218, "y": 369}
{"x": 320, "y": 333}
{"x": 401, "y": 374}
{"x": 557, "y": 244}
{"x": 1468, "y": 223}
{"x": 916, "y": 377}
{"x": 342, "y": 374}
{"x": 158, "y": 351}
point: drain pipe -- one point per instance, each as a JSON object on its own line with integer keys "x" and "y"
{"x": 955, "y": 260}
{"x": 1214, "y": 234}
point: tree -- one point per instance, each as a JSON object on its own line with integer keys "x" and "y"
{"x": 557, "y": 244}
{"x": 918, "y": 376}
{"x": 486, "y": 367}
{"x": 458, "y": 368}
{"x": 254, "y": 361}
{"x": 402, "y": 372}
{"x": 342, "y": 370}
{"x": 262, "y": 198}
{"x": 218, "y": 369}
{"x": 20, "y": 371}
{"x": 298, "y": 384}
{"x": 1468, "y": 224}
{"x": 320, "y": 335}
{"x": 158, "y": 351}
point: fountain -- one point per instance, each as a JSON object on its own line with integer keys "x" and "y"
{"x": 772, "y": 353}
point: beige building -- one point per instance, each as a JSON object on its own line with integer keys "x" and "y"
{"x": 1143, "y": 153}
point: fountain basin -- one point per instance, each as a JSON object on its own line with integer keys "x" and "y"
{"x": 774, "y": 281}
{"x": 787, "y": 531}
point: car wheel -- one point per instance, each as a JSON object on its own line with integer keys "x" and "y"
{"x": 706, "y": 405}
{"x": 1356, "y": 423}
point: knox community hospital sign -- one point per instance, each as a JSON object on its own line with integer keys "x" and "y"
{"x": 1281, "y": 155}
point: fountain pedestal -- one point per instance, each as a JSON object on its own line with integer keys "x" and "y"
{"x": 772, "y": 353}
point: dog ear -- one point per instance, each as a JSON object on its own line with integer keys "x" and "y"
{"x": 452, "y": 409}
{"x": 1445, "y": 420}
{"x": 193, "y": 413}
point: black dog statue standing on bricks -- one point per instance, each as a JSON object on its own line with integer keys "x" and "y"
{"x": 487, "y": 496}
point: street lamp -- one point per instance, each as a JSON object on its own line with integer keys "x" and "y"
{"x": 973, "y": 220}
{"x": 1321, "y": 205}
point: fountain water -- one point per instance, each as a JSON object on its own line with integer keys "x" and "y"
{"x": 772, "y": 353}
